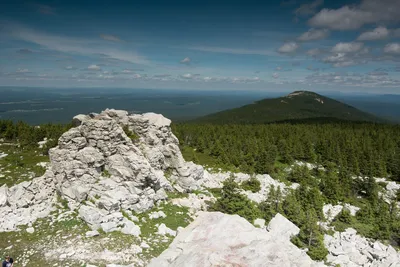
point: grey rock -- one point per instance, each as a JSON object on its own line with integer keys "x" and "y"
{"x": 30, "y": 230}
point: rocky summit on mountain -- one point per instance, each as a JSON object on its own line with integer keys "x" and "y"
{"x": 120, "y": 185}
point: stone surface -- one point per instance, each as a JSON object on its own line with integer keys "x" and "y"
{"x": 217, "y": 239}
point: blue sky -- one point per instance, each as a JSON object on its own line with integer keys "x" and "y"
{"x": 350, "y": 46}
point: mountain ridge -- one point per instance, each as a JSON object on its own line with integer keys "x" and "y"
{"x": 298, "y": 105}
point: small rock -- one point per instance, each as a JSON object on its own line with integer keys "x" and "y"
{"x": 92, "y": 233}
{"x": 30, "y": 230}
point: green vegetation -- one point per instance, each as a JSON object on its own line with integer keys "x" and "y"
{"x": 20, "y": 164}
{"x": 252, "y": 185}
{"x": 106, "y": 173}
{"x": 20, "y": 142}
{"x": 232, "y": 202}
{"x": 301, "y": 105}
{"x": 132, "y": 135}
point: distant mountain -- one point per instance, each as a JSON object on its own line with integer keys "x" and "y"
{"x": 299, "y": 105}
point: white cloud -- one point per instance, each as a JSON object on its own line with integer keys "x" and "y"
{"x": 186, "y": 61}
{"x": 73, "y": 45}
{"x": 309, "y": 8}
{"x": 356, "y": 16}
{"x": 187, "y": 76}
{"x": 109, "y": 37}
{"x": 275, "y": 75}
{"x": 393, "y": 48}
{"x": 70, "y": 68}
{"x": 127, "y": 71}
{"x": 352, "y": 79}
{"x": 376, "y": 34}
{"x": 288, "y": 48}
{"x": 94, "y": 67}
{"x": 314, "y": 52}
{"x": 347, "y": 47}
{"x": 22, "y": 70}
{"x": 235, "y": 51}
{"x": 313, "y": 34}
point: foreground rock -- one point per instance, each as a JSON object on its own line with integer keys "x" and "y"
{"x": 217, "y": 239}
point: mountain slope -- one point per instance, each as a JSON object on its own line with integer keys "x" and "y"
{"x": 299, "y": 105}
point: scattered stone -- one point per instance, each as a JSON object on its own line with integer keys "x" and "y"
{"x": 349, "y": 249}
{"x": 157, "y": 214}
{"x": 30, "y": 230}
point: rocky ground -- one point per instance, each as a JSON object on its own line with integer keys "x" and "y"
{"x": 118, "y": 191}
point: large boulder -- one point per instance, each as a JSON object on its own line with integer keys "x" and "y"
{"x": 217, "y": 239}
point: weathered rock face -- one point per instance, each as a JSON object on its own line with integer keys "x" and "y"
{"x": 217, "y": 239}
{"x": 350, "y": 249}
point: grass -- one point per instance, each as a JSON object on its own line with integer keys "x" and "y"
{"x": 176, "y": 216}
{"x": 190, "y": 154}
{"x": 20, "y": 164}
{"x": 46, "y": 232}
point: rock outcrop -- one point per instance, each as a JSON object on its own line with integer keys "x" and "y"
{"x": 100, "y": 171}
{"x": 217, "y": 239}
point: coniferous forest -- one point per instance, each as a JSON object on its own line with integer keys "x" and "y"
{"x": 347, "y": 156}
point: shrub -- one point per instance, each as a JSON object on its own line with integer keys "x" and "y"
{"x": 132, "y": 135}
{"x": 232, "y": 202}
{"x": 253, "y": 185}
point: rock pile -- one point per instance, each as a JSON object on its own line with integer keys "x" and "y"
{"x": 24, "y": 203}
{"x": 350, "y": 249}
{"x": 217, "y": 239}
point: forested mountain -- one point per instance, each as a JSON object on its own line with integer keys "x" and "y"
{"x": 299, "y": 105}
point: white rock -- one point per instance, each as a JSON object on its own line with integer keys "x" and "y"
{"x": 217, "y": 239}
{"x": 157, "y": 214}
{"x": 30, "y": 230}
{"x": 109, "y": 227}
{"x": 259, "y": 223}
{"x": 281, "y": 226}
{"x": 164, "y": 230}
{"x": 92, "y": 233}
{"x": 130, "y": 228}
{"x": 3, "y": 195}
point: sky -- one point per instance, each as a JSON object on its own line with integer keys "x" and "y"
{"x": 347, "y": 46}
